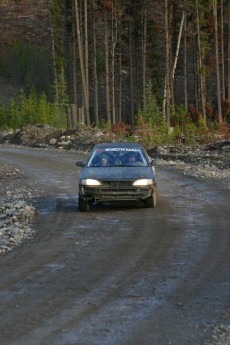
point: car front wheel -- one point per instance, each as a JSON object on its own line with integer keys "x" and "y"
{"x": 151, "y": 201}
{"x": 83, "y": 205}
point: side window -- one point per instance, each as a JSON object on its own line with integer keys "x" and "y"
{"x": 94, "y": 160}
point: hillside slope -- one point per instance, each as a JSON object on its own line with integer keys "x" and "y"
{"x": 21, "y": 21}
{"x": 24, "y": 20}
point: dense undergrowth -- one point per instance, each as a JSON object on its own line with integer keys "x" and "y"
{"x": 31, "y": 109}
{"x": 151, "y": 128}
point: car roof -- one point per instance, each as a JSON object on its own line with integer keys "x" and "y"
{"x": 118, "y": 144}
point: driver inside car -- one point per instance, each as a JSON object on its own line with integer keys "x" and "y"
{"x": 130, "y": 158}
{"x": 104, "y": 160}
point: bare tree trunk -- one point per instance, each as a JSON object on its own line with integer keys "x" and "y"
{"x": 86, "y": 64}
{"x": 195, "y": 69}
{"x": 131, "y": 73}
{"x": 220, "y": 118}
{"x": 144, "y": 53}
{"x": 185, "y": 59}
{"x": 74, "y": 114}
{"x": 74, "y": 63}
{"x": 95, "y": 69}
{"x": 200, "y": 65}
{"x": 168, "y": 90}
{"x": 66, "y": 44}
{"x": 54, "y": 60}
{"x": 228, "y": 49}
{"x": 167, "y": 67}
{"x": 178, "y": 47}
{"x": 81, "y": 56}
{"x": 114, "y": 42}
{"x": 120, "y": 86}
{"x": 176, "y": 57}
{"x": 222, "y": 50}
{"x": 171, "y": 26}
{"x": 107, "y": 86}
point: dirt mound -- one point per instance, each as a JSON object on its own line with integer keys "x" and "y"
{"x": 81, "y": 138}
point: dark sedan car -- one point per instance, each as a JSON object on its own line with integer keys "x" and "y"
{"x": 117, "y": 172}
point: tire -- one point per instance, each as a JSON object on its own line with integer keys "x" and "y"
{"x": 151, "y": 202}
{"x": 83, "y": 205}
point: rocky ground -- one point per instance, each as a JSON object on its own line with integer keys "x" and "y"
{"x": 202, "y": 162}
{"x": 210, "y": 163}
{"x": 17, "y": 208}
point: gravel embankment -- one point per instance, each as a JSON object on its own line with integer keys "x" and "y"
{"x": 17, "y": 209}
{"x": 211, "y": 166}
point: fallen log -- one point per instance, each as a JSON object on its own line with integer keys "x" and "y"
{"x": 218, "y": 145}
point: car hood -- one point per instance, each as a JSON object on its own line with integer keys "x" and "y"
{"x": 117, "y": 173}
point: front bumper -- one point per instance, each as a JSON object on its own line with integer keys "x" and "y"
{"x": 109, "y": 193}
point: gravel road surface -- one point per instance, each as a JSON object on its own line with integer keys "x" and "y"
{"x": 121, "y": 274}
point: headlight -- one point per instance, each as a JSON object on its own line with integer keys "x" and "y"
{"x": 90, "y": 182}
{"x": 143, "y": 182}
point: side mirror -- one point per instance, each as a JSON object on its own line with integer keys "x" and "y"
{"x": 154, "y": 161}
{"x": 80, "y": 164}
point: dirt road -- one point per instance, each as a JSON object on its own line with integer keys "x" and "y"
{"x": 117, "y": 275}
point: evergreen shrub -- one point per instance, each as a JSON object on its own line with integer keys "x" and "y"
{"x": 31, "y": 109}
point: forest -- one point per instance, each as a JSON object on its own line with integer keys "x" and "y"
{"x": 159, "y": 66}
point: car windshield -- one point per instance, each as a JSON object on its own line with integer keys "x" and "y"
{"x": 117, "y": 156}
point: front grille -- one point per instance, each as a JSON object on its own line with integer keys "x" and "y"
{"x": 118, "y": 192}
{"x": 118, "y": 183}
